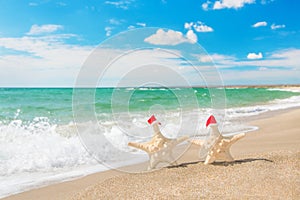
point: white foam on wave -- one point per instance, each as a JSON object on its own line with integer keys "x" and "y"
{"x": 37, "y": 147}
{"x": 289, "y": 89}
{"x": 34, "y": 153}
{"x": 278, "y": 104}
{"x": 40, "y": 153}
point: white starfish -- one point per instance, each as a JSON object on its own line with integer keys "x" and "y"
{"x": 218, "y": 146}
{"x": 159, "y": 148}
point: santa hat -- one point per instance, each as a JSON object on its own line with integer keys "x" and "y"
{"x": 211, "y": 120}
{"x": 152, "y": 119}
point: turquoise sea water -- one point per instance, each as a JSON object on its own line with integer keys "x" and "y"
{"x": 56, "y": 103}
{"x": 39, "y": 143}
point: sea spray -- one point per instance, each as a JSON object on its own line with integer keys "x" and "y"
{"x": 39, "y": 142}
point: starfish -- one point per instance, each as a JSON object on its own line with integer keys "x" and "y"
{"x": 159, "y": 148}
{"x": 217, "y": 145}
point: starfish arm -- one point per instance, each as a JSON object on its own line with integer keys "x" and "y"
{"x": 155, "y": 128}
{"x": 153, "y": 161}
{"x": 164, "y": 155}
{"x": 159, "y": 137}
{"x": 159, "y": 148}
{"x": 237, "y": 137}
{"x": 141, "y": 146}
{"x": 157, "y": 132}
{"x": 209, "y": 159}
{"x": 229, "y": 141}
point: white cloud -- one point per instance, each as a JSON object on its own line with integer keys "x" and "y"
{"x": 259, "y": 24}
{"x": 205, "y": 5}
{"x": 141, "y": 24}
{"x": 198, "y": 26}
{"x": 44, "y": 29}
{"x": 285, "y": 58}
{"x": 114, "y": 21}
{"x": 137, "y": 24}
{"x": 41, "y": 61}
{"x": 274, "y": 26}
{"x": 131, "y": 27}
{"x": 113, "y": 24}
{"x": 135, "y": 68}
{"x": 216, "y": 58}
{"x": 260, "y": 76}
{"x": 221, "y": 4}
{"x": 204, "y": 58}
{"x": 188, "y": 25}
{"x": 254, "y": 56}
{"x": 263, "y": 2}
{"x": 108, "y": 30}
{"x": 201, "y": 27}
{"x": 169, "y": 37}
{"x": 277, "y": 67}
{"x": 192, "y": 36}
{"x": 123, "y": 4}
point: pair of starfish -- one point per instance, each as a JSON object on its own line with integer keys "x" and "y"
{"x": 160, "y": 148}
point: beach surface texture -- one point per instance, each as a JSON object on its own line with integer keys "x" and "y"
{"x": 266, "y": 166}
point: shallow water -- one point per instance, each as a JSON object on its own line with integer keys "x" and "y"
{"x": 39, "y": 142}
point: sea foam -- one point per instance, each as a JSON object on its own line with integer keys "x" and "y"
{"x": 33, "y": 152}
{"x": 40, "y": 152}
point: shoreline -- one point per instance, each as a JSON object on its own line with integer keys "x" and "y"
{"x": 278, "y": 131}
{"x": 268, "y": 114}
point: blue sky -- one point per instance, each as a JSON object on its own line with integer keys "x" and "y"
{"x": 45, "y": 42}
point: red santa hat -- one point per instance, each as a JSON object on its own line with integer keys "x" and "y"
{"x": 211, "y": 120}
{"x": 152, "y": 119}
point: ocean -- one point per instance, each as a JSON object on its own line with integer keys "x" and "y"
{"x": 40, "y": 145}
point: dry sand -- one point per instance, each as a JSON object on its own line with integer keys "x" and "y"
{"x": 267, "y": 176}
{"x": 267, "y": 166}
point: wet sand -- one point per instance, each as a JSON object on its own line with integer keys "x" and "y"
{"x": 267, "y": 166}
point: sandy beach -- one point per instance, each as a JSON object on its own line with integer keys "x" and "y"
{"x": 132, "y": 99}
{"x": 267, "y": 166}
